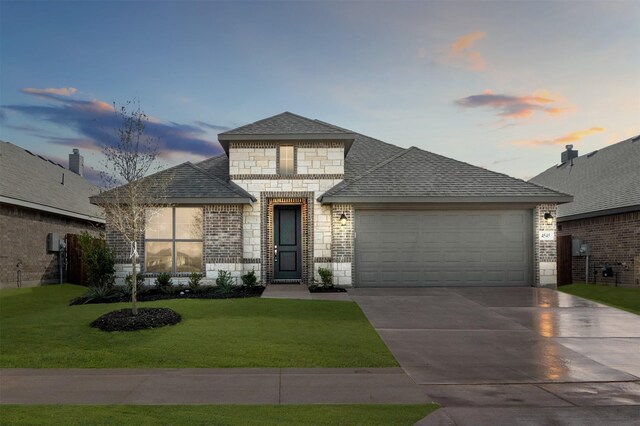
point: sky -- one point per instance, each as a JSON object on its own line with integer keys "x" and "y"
{"x": 503, "y": 85}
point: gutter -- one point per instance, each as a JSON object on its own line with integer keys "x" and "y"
{"x": 49, "y": 209}
{"x": 443, "y": 199}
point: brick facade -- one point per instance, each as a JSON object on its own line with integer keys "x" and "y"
{"x": 223, "y": 233}
{"x": 23, "y": 241}
{"x": 544, "y": 252}
{"x": 613, "y": 239}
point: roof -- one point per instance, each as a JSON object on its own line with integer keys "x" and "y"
{"x": 32, "y": 181}
{"x": 287, "y": 126}
{"x": 187, "y": 183}
{"x": 414, "y": 175}
{"x": 602, "y": 182}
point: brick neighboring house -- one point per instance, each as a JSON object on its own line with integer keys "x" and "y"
{"x": 605, "y": 213}
{"x": 38, "y": 198}
{"x": 292, "y": 194}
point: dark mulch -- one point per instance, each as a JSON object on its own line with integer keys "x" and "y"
{"x": 149, "y": 294}
{"x": 323, "y": 289}
{"x": 124, "y": 320}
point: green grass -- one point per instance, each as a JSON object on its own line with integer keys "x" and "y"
{"x": 214, "y": 414}
{"x": 39, "y": 330}
{"x": 625, "y": 298}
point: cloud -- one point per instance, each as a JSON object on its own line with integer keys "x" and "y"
{"x": 515, "y": 106}
{"x": 51, "y": 91}
{"x": 215, "y": 127}
{"x": 95, "y": 123}
{"x": 461, "y": 52}
{"x": 571, "y": 137}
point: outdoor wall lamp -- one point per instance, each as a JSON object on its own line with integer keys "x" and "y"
{"x": 343, "y": 219}
{"x": 549, "y": 218}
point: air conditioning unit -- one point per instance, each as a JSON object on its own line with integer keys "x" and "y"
{"x": 53, "y": 242}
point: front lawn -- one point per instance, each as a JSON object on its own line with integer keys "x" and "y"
{"x": 626, "y": 298}
{"x": 39, "y": 330}
{"x": 214, "y": 414}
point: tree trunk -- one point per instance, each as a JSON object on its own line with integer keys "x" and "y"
{"x": 134, "y": 282}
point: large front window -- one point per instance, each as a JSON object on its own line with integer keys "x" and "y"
{"x": 173, "y": 240}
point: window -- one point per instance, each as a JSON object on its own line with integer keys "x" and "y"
{"x": 173, "y": 240}
{"x": 286, "y": 165}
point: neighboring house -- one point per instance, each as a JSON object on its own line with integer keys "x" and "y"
{"x": 605, "y": 213}
{"x": 291, "y": 194}
{"x": 39, "y": 200}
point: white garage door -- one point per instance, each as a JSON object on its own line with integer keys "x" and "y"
{"x": 406, "y": 248}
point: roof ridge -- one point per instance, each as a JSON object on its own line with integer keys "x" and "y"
{"x": 239, "y": 130}
{"x": 230, "y": 185}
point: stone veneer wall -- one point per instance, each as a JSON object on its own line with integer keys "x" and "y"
{"x": 23, "y": 244}
{"x": 545, "y": 256}
{"x": 612, "y": 239}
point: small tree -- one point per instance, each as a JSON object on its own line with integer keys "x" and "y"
{"x": 131, "y": 198}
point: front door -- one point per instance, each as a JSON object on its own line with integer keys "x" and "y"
{"x": 287, "y": 248}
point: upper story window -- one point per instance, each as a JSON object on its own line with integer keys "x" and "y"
{"x": 286, "y": 165}
{"x": 173, "y": 240}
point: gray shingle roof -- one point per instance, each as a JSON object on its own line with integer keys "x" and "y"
{"x": 28, "y": 178}
{"x": 186, "y": 183}
{"x": 285, "y": 123}
{"x": 365, "y": 153}
{"x": 602, "y": 181}
{"x": 421, "y": 176}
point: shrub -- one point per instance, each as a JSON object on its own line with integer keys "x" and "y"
{"x": 98, "y": 294}
{"x": 129, "y": 284}
{"x": 326, "y": 275}
{"x": 249, "y": 279}
{"x": 164, "y": 282}
{"x": 99, "y": 261}
{"x": 194, "y": 280}
{"x": 224, "y": 282}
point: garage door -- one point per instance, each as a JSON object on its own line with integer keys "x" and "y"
{"x": 443, "y": 248}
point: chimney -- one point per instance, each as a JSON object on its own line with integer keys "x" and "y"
{"x": 569, "y": 154}
{"x": 76, "y": 162}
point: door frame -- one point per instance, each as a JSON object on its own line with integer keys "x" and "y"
{"x": 267, "y": 202}
{"x": 297, "y": 208}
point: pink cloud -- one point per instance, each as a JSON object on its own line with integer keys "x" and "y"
{"x": 571, "y": 137}
{"x": 515, "y": 106}
{"x": 461, "y": 52}
{"x": 61, "y": 91}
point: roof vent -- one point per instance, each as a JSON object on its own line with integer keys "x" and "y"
{"x": 76, "y": 162}
{"x": 569, "y": 154}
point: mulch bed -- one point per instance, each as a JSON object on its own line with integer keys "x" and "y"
{"x": 322, "y": 289}
{"x": 149, "y": 294}
{"x": 124, "y": 320}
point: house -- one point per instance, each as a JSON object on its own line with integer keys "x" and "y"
{"x": 292, "y": 194}
{"x": 40, "y": 202}
{"x": 604, "y": 218}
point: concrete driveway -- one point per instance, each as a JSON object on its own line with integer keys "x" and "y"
{"x": 509, "y": 347}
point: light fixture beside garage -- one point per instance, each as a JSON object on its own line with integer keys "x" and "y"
{"x": 549, "y": 218}
{"x": 343, "y": 219}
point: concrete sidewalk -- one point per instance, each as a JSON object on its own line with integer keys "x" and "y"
{"x": 209, "y": 386}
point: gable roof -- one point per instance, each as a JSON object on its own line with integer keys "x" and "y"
{"x": 286, "y": 126}
{"x": 184, "y": 184}
{"x": 602, "y": 182}
{"x": 414, "y": 175}
{"x": 29, "y": 180}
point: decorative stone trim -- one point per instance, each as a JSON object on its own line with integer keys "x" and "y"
{"x": 310, "y": 143}
{"x": 285, "y": 177}
{"x": 250, "y": 261}
{"x": 224, "y": 260}
{"x": 267, "y": 201}
{"x": 322, "y": 260}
